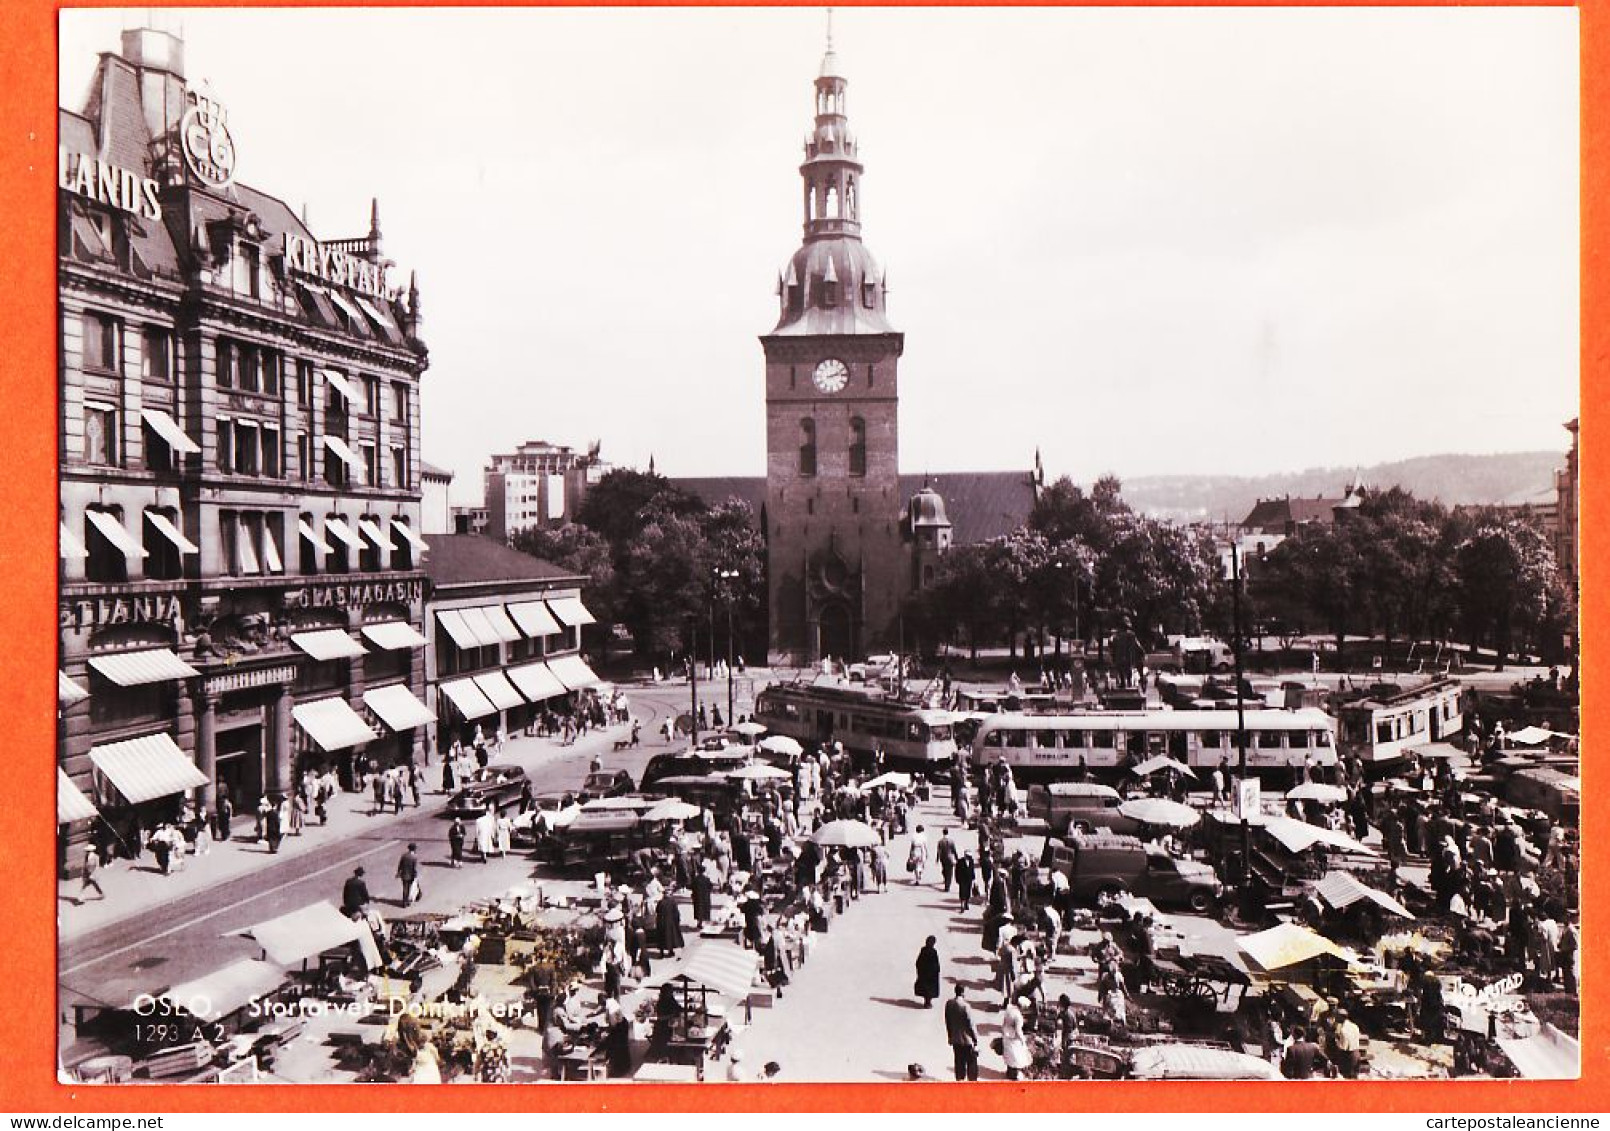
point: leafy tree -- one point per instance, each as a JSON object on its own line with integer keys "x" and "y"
{"x": 584, "y": 552}
{"x": 615, "y": 506}
{"x": 1507, "y": 581}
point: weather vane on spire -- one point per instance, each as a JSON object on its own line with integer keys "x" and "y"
{"x": 830, "y": 29}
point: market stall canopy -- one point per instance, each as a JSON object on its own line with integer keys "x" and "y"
{"x": 1317, "y": 791}
{"x": 1196, "y": 1062}
{"x": 398, "y": 707}
{"x": 571, "y": 611}
{"x": 748, "y": 729}
{"x": 536, "y": 682}
{"x": 573, "y": 672}
{"x": 1300, "y": 836}
{"x": 144, "y": 769}
{"x": 1342, "y": 889}
{"x": 533, "y": 618}
{"x": 672, "y": 810}
{"x": 292, "y": 938}
{"x": 893, "y": 777}
{"x": 333, "y": 724}
{"x": 760, "y": 772}
{"x": 133, "y": 669}
{"x": 781, "y": 744}
{"x": 327, "y": 644}
{"x": 1159, "y": 811}
{"x": 847, "y": 834}
{"x": 71, "y": 804}
{"x": 468, "y": 698}
{"x": 223, "y": 991}
{"x": 1155, "y": 765}
{"x": 1534, "y": 735}
{"x": 1546, "y": 1055}
{"x": 723, "y": 967}
{"x": 1288, "y": 945}
{"x": 67, "y": 691}
{"x": 393, "y": 635}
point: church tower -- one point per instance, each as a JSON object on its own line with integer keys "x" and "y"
{"x": 836, "y": 565}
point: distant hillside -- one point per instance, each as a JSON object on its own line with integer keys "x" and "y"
{"x": 1510, "y": 477}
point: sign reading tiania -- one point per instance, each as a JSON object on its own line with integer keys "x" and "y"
{"x": 322, "y": 261}
{"x": 106, "y": 183}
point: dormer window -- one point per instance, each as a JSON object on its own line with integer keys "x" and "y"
{"x": 247, "y": 264}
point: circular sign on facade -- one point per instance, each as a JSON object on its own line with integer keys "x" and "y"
{"x": 209, "y": 151}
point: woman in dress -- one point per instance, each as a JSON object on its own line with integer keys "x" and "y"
{"x": 1014, "y": 1045}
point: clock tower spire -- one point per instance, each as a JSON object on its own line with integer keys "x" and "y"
{"x": 835, "y": 560}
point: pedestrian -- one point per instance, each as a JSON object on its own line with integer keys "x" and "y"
{"x": 449, "y": 760}
{"x": 945, "y": 853}
{"x": 962, "y": 1035}
{"x": 378, "y": 784}
{"x": 486, "y": 829}
{"x": 917, "y": 861}
{"x": 880, "y": 867}
{"x": 1302, "y": 1058}
{"x": 408, "y": 875}
{"x": 927, "y": 984}
{"x": 965, "y": 870}
{"x": 1014, "y": 1044}
{"x": 703, "y": 892}
{"x": 455, "y": 841}
{"x": 272, "y": 829}
{"x": 415, "y": 783}
{"x": 226, "y": 814}
{"x": 354, "y": 894}
{"x": 298, "y": 813}
{"x": 1348, "y": 1042}
{"x": 92, "y": 865}
{"x": 264, "y": 807}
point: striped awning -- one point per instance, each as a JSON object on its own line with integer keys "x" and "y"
{"x": 724, "y": 967}
{"x": 470, "y": 700}
{"x": 453, "y": 624}
{"x": 144, "y": 769}
{"x": 1342, "y": 889}
{"x": 502, "y": 626}
{"x": 496, "y": 687}
{"x": 414, "y": 540}
{"x": 393, "y": 635}
{"x": 536, "y": 682}
{"x": 533, "y": 618}
{"x": 131, "y": 669}
{"x": 338, "y": 527}
{"x": 373, "y": 531}
{"x": 333, "y": 724}
{"x": 344, "y": 453}
{"x": 341, "y": 385}
{"x": 71, "y": 804}
{"x": 475, "y": 620}
{"x": 573, "y": 672}
{"x": 327, "y": 644}
{"x": 67, "y": 691}
{"x": 110, "y": 526}
{"x": 167, "y": 528}
{"x": 571, "y": 611}
{"x": 312, "y": 535}
{"x": 398, "y": 707}
{"x": 172, "y": 435}
{"x": 71, "y": 547}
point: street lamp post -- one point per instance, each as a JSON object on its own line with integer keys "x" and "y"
{"x": 1240, "y": 707}
{"x": 693, "y": 680}
{"x": 724, "y": 576}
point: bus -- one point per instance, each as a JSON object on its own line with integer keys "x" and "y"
{"x": 863, "y": 719}
{"x": 1105, "y": 744}
{"x": 1381, "y": 726}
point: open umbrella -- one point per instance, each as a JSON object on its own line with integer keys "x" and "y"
{"x": 1158, "y": 811}
{"x": 748, "y": 729}
{"x": 781, "y": 744}
{"x": 847, "y": 834}
{"x": 759, "y": 772}
{"x": 672, "y": 809}
{"x": 1317, "y": 791}
{"x": 1158, "y": 764}
{"x": 894, "y": 778}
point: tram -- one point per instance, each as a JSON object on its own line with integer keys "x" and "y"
{"x": 911, "y": 737}
{"x": 1383, "y": 725}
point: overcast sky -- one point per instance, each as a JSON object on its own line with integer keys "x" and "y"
{"x": 1145, "y": 241}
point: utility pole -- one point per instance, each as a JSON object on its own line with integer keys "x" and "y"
{"x": 693, "y": 680}
{"x": 726, "y": 577}
{"x": 1240, "y": 708}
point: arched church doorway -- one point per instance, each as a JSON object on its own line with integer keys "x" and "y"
{"x": 836, "y": 636}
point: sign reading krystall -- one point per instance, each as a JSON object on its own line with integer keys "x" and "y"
{"x": 358, "y": 594}
{"x": 331, "y": 265}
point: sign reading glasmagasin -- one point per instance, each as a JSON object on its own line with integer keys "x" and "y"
{"x": 357, "y": 595}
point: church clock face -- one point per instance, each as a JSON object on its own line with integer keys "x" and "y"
{"x": 831, "y": 375}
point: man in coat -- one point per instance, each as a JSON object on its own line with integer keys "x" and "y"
{"x": 408, "y": 874}
{"x": 354, "y": 893}
{"x": 927, "y": 984}
{"x": 945, "y": 853}
{"x": 965, "y": 870}
{"x": 962, "y": 1035}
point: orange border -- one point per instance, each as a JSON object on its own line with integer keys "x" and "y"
{"x": 27, "y": 1027}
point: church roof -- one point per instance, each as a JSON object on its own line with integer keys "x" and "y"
{"x": 980, "y": 504}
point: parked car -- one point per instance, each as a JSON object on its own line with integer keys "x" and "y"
{"x": 605, "y": 783}
{"x": 490, "y": 785}
{"x": 1109, "y": 863}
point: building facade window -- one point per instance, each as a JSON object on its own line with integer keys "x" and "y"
{"x": 307, "y": 551}
{"x": 336, "y": 561}
{"x": 247, "y": 443}
{"x": 156, "y": 354}
{"x": 369, "y": 560}
{"x": 100, "y": 435}
{"x": 371, "y": 464}
{"x": 304, "y": 455}
{"x": 371, "y": 397}
{"x": 402, "y": 550}
{"x": 807, "y": 447}
{"x": 399, "y": 467}
{"x": 163, "y": 561}
{"x": 271, "y": 452}
{"x": 399, "y": 402}
{"x": 102, "y": 338}
{"x": 857, "y": 446}
{"x": 304, "y": 384}
{"x": 107, "y": 563}
{"x": 224, "y": 455}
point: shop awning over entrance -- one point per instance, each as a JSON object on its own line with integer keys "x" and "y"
{"x": 172, "y": 435}
{"x": 398, "y": 707}
{"x": 533, "y": 618}
{"x": 471, "y": 702}
{"x": 502, "y": 626}
{"x": 496, "y": 687}
{"x": 71, "y": 804}
{"x": 536, "y": 682}
{"x": 67, "y": 691}
{"x": 131, "y": 669}
{"x": 571, "y": 611}
{"x": 393, "y": 635}
{"x": 144, "y": 769}
{"x": 333, "y": 724}
{"x": 573, "y": 672}
{"x": 327, "y": 644}
{"x": 453, "y": 624}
